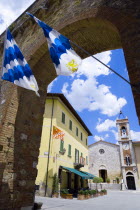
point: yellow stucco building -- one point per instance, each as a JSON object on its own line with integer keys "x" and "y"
{"x": 68, "y": 153}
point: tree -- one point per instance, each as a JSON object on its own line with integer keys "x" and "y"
{"x": 55, "y": 184}
{"x": 97, "y": 180}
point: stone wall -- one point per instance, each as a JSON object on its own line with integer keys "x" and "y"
{"x": 109, "y": 160}
{"x": 96, "y": 25}
{"x": 105, "y": 186}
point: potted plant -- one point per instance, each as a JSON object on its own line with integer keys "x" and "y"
{"x": 90, "y": 193}
{"x": 55, "y": 186}
{"x": 108, "y": 180}
{"x": 81, "y": 195}
{"x": 86, "y": 194}
{"x": 65, "y": 194}
{"x": 117, "y": 180}
{"x": 104, "y": 191}
{"x": 94, "y": 194}
{"x": 97, "y": 180}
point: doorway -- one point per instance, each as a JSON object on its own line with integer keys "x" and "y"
{"x": 130, "y": 183}
{"x": 103, "y": 174}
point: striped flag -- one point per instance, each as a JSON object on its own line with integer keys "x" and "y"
{"x": 15, "y": 68}
{"x": 57, "y": 133}
{"x": 64, "y": 58}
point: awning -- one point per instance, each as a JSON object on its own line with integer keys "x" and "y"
{"x": 90, "y": 175}
{"x": 79, "y": 173}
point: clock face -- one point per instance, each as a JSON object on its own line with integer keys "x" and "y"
{"x": 125, "y": 146}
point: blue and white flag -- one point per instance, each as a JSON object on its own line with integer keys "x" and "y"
{"x": 65, "y": 59}
{"x": 15, "y": 68}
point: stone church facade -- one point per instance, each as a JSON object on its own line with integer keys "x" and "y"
{"x": 117, "y": 161}
{"x": 104, "y": 160}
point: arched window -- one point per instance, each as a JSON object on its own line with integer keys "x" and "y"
{"x": 128, "y": 160}
{"x": 123, "y": 131}
{"x": 129, "y": 173}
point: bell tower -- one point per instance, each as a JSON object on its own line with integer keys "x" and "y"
{"x": 127, "y": 155}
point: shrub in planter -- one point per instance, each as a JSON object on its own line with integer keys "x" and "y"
{"x": 94, "y": 194}
{"x": 117, "y": 180}
{"x": 65, "y": 194}
{"x": 97, "y": 180}
{"x": 108, "y": 180}
{"x": 86, "y": 194}
{"x": 90, "y": 193}
{"x": 105, "y": 192}
{"x": 102, "y": 192}
{"x": 81, "y": 195}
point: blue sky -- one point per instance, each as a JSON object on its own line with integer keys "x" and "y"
{"x": 95, "y": 92}
{"x": 98, "y": 95}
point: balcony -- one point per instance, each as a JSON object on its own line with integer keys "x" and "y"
{"x": 79, "y": 164}
{"x": 62, "y": 152}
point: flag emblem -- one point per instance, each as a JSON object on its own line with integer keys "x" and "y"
{"x": 57, "y": 133}
{"x": 64, "y": 58}
{"x": 15, "y": 68}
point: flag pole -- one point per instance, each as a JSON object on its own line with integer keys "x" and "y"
{"x": 46, "y": 183}
{"x": 133, "y": 86}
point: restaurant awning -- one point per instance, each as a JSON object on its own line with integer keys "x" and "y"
{"x": 79, "y": 173}
{"x": 90, "y": 175}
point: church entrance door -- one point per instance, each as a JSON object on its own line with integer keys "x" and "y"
{"x": 103, "y": 174}
{"x": 130, "y": 183}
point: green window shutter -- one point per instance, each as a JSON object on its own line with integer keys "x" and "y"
{"x": 76, "y": 131}
{"x": 70, "y": 125}
{"x": 63, "y": 118}
{"x": 61, "y": 145}
{"x": 75, "y": 154}
{"x": 69, "y": 150}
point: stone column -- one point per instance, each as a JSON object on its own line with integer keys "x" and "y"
{"x": 121, "y": 153}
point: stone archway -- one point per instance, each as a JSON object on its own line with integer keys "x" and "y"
{"x": 130, "y": 180}
{"x": 94, "y": 25}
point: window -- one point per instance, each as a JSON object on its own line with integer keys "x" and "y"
{"x": 81, "y": 137}
{"x": 86, "y": 142}
{"x": 61, "y": 145}
{"x": 63, "y": 118}
{"x": 76, "y": 156}
{"x": 87, "y": 160}
{"x": 76, "y": 131}
{"x": 81, "y": 154}
{"x": 101, "y": 151}
{"x": 69, "y": 150}
{"x": 70, "y": 125}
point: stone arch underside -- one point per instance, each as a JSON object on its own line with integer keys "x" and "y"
{"x": 94, "y": 25}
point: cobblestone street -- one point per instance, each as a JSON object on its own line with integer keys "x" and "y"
{"x": 115, "y": 200}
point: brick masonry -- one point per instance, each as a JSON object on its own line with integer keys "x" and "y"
{"x": 96, "y": 25}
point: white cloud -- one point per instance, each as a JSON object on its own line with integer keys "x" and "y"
{"x": 87, "y": 94}
{"x": 106, "y": 125}
{"x": 49, "y": 88}
{"x": 98, "y": 138}
{"x": 106, "y": 136}
{"x": 92, "y": 68}
{"x": 10, "y": 10}
{"x": 135, "y": 135}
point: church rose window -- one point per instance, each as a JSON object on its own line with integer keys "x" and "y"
{"x": 101, "y": 151}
